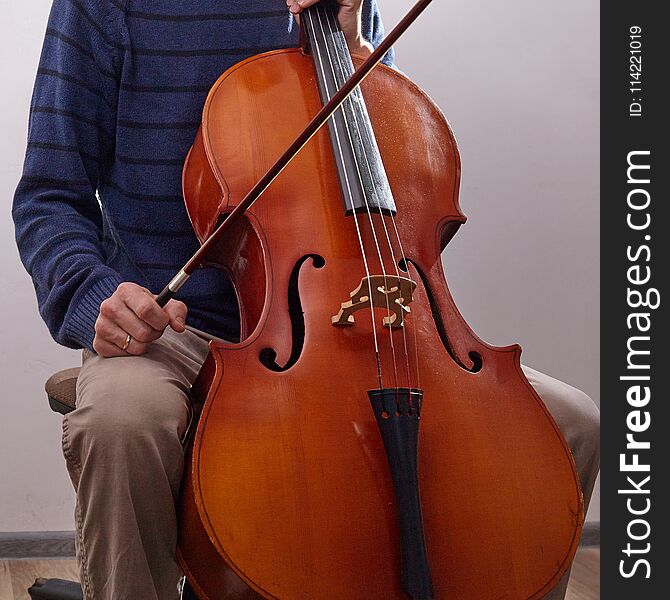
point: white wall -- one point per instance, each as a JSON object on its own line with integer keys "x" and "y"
{"x": 519, "y": 83}
{"x": 35, "y": 492}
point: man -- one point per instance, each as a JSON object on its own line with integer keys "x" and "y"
{"x": 101, "y": 226}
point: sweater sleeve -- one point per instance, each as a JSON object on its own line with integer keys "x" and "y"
{"x": 56, "y": 212}
{"x": 373, "y": 28}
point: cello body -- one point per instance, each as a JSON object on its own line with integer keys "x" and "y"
{"x": 288, "y": 492}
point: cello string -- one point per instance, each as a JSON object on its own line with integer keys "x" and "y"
{"x": 332, "y": 29}
{"x": 409, "y": 276}
{"x": 358, "y": 230}
{"x": 318, "y": 10}
{"x": 332, "y": 26}
{"x": 365, "y": 199}
{"x": 398, "y": 238}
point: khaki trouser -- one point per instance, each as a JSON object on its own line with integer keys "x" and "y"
{"x": 123, "y": 447}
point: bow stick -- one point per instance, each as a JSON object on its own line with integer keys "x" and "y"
{"x": 312, "y": 127}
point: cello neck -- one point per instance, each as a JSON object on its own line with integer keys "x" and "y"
{"x": 361, "y": 172}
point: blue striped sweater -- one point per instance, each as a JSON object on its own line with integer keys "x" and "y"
{"x": 117, "y": 102}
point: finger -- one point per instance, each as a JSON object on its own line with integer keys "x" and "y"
{"x": 111, "y": 333}
{"x": 136, "y": 348}
{"x": 107, "y": 349}
{"x": 294, "y": 9}
{"x": 176, "y": 311}
{"x": 297, "y": 6}
{"x": 124, "y": 318}
{"x": 147, "y": 310}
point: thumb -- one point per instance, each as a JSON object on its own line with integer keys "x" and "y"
{"x": 176, "y": 312}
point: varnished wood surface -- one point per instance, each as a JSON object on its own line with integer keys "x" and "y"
{"x": 290, "y": 475}
{"x": 38, "y": 544}
{"x": 17, "y": 575}
{"x": 585, "y": 576}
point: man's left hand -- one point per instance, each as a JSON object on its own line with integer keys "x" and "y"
{"x": 349, "y": 18}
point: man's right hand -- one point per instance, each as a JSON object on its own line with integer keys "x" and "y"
{"x": 133, "y": 310}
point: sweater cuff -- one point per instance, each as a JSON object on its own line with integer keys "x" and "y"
{"x": 80, "y": 326}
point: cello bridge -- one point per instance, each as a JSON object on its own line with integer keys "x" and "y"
{"x": 389, "y": 292}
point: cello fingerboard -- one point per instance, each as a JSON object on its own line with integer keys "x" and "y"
{"x": 362, "y": 176}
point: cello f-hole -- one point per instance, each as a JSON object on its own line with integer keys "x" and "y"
{"x": 475, "y": 357}
{"x": 268, "y": 356}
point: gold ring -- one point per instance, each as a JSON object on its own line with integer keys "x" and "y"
{"x": 128, "y": 338}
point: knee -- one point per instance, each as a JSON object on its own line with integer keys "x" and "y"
{"x": 579, "y": 419}
{"x": 584, "y": 441}
{"x": 575, "y": 412}
{"x": 581, "y": 427}
{"x": 587, "y": 420}
{"x": 121, "y": 408}
{"x": 592, "y": 427}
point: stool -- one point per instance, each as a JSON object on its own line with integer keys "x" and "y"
{"x": 61, "y": 389}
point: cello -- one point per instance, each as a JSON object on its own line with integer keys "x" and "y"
{"x": 359, "y": 441}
